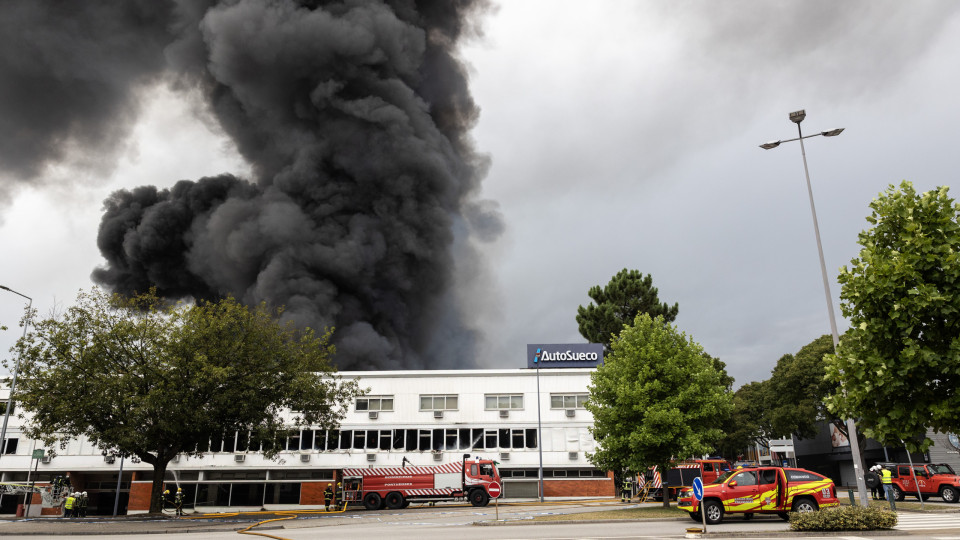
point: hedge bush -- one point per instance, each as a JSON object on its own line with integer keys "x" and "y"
{"x": 843, "y": 518}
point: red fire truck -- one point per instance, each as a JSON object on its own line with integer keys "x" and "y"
{"x": 476, "y": 480}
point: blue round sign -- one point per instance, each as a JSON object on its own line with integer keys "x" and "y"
{"x": 698, "y": 489}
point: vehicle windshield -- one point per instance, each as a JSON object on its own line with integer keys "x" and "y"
{"x": 488, "y": 469}
{"x": 723, "y": 477}
{"x": 941, "y": 468}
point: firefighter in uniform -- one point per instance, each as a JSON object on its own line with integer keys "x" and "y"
{"x": 80, "y": 506}
{"x": 178, "y": 501}
{"x": 328, "y": 497}
{"x": 626, "y": 491}
{"x": 887, "y": 480}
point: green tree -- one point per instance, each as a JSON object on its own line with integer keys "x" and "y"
{"x": 747, "y": 424}
{"x": 899, "y": 363}
{"x": 797, "y": 390}
{"x": 152, "y": 380}
{"x": 657, "y": 397}
{"x": 628, "y": 294}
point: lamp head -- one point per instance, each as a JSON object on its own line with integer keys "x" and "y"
{"x": 769, "y": 145}
{"x": 832, "y": 132}
{"x": 797, "y": 116}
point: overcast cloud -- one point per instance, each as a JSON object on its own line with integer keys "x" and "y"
{"x": 621, "y": 135}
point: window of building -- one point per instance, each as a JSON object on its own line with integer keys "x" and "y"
{"x": 375, "y": 403}
{"x": 447, "y": 402}
{"x": 500, "y": 402}
{"x": 568, "y": 401}
{"x": 3, "y": 406}
{"x": 11, "y": 446}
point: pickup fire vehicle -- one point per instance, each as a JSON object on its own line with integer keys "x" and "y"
{"x": 761, "y": 490}
{"x": 476, "y": 480}
{"x": 934, "y": 480}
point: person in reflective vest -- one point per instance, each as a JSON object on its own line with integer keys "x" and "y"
{"x": 626, "y": 491}
{"x": 80, "y": 505}
{"x": 328, "y": 497}
{"x": 887, "y": 480}
{"x": 68, "y": 505}
{"x": 178, "y": 501}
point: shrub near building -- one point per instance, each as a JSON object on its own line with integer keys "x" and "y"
{"x": 843, "y": 518}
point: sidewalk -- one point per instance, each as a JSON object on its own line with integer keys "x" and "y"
{"x": 125, "y": 526}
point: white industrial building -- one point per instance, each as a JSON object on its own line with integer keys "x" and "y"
{"x": 427, "y": 417}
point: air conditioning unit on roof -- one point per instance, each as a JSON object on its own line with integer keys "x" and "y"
{"x": 438, "y": 414}
{"x": 239, "y": 458}
{"x": 571, "y": 413}
{"x": 371, "y": 457}
{"x": 45, "y": 459}
{"x": 504, "y": 414}
{"x": 438, "y": 456}
{"x": 304, "y": 457}
{"x": 373, "y": 415}
{"x": 504, "y": 456}
{"x": 573, "y": 455}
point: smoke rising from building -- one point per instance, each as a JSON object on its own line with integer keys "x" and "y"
{"x": 354, "y": 117}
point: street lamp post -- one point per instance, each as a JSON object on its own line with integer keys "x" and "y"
{"x": 797, "y": 117}
{"x": 16, "y": 370}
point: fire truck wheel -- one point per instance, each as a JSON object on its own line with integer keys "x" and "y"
{"x": 372, "y": 501}
{"x": 394, "y": 500}
{"x": 479, "y": 497}
{"x": 948, "y": 494}
{"x": 805, "y": 505}
{"x": 784, "y": 515}
{"x": 898, "y": 493}
{"x": 714, "y": 512}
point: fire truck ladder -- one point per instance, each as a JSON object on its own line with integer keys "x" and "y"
{"x": 644, "y": 493}
{"x": 47, "y": 494}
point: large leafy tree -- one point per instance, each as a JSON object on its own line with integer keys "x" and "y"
{"x": 149, "y": 379}
{"x": 628, "y": 294}
{"x": 797, "y": 389}
{"x": 899, "y": 363}
{"x": 747, "y": 424}
{"x": 657, "y": 397}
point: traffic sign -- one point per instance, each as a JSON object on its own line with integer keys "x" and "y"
{"x": 698, "y": 489}
{"x": 494, "y": 490}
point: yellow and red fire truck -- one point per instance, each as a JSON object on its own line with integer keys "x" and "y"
{"x": 761, "y": 490}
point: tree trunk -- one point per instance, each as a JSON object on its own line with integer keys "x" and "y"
{"x": 156, "y": 492}
{"x": 665, "y": 487}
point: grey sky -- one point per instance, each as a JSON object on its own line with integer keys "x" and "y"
{"x": 621, "y": 135}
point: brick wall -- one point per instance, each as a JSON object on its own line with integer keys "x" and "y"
{"x": 599, "y": 487}
{"x": 140, "y": 496}
{"x": 312, "y": 492}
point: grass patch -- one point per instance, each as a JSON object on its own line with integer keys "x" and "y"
{"x": 623, "y": 513}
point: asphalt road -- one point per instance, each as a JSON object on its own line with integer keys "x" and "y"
{"x": 462, "y": 523}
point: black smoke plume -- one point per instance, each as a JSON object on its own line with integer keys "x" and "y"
{"x": 355, "y": 117}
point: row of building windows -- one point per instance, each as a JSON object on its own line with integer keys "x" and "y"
{"x": 412, "y": 440}
{"x": 491, "y": 402}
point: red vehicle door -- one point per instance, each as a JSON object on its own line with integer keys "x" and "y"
{"x": 906, "y": 479}
{"x": 740, "y": 492}
{"x": 770, "y": 489}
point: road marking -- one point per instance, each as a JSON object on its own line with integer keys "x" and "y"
{"x": 919, "y": 522}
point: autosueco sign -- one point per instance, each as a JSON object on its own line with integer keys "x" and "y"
{"x": 544, "y": 355}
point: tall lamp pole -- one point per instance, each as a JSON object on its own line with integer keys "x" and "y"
{"x": 16, "y": 370}
{"x": 797, "y": 117}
